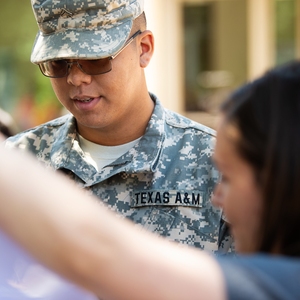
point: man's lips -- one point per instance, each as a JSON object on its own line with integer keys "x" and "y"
{"x": 86, "y": 103}
{"x": 84, "y": 98}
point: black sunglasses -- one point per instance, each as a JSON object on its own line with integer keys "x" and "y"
{"x": 61, "y": 68}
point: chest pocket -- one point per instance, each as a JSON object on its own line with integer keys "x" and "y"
{"x": 184, "y": 217}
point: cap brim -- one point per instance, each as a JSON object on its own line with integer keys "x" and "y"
{"x": 84, "y": 44}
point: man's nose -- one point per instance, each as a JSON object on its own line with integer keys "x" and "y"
{"x": 76, "y": 76}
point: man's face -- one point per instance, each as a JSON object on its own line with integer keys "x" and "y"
{"x": 105, "y": 102}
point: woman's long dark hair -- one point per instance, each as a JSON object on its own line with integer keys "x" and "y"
{"x": 267, "y": 114}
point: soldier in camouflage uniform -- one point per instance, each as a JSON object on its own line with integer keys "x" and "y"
{"x": 148, "y": 163}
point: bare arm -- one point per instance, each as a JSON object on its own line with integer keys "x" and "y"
{"x": 88, "y": 244}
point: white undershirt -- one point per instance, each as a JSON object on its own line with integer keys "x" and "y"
{"x": 100, "y": 156}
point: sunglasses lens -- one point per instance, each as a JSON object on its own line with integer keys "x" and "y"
{"x": 96, "y": 66}
{"x": 55, "y": 68}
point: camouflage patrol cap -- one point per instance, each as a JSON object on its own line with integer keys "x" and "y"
{"x": 88, "y": 29}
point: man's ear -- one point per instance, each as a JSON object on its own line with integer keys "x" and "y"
{"x": 146, "y": 48}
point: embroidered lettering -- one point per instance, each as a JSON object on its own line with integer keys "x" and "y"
{"x": 143, "y": 198}
{"x": 150, "y": 197}
{"x": 158, "y": 198}
{"x": 186, "y": 198}
{"x": 167, "y": 198}
{"x": 178, "y": 198}
{"x": 195, "y": 201}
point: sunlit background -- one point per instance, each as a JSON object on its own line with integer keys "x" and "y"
{"x": 204, "y": 49}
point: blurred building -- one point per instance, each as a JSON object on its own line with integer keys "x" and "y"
{"x": 207, "y": 48}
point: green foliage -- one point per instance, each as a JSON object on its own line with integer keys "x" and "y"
{"x": 18, "y": 31}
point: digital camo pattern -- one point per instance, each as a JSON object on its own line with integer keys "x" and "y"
{"x": 82, "y": 28}
{"x": 226, "y": 242}
{"x": 164, "y": 182}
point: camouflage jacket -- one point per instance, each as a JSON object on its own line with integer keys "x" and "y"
{"x": 164, "y": 182}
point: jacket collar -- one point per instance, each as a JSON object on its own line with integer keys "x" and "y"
{"x": 67, "y": 154}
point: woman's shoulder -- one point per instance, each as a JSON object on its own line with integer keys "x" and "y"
{"x": 261, "y": 277}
